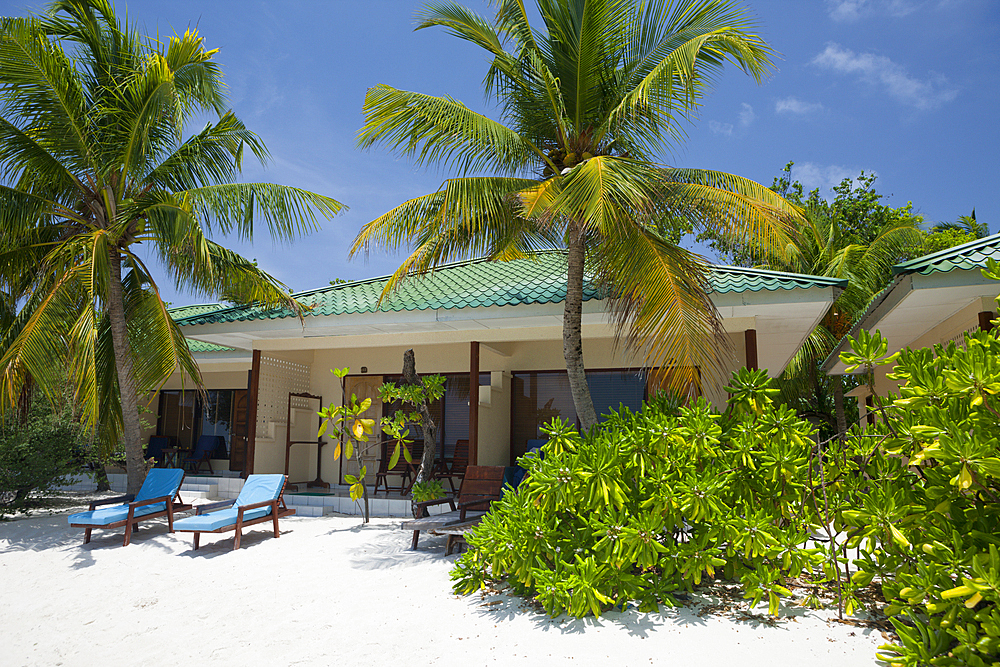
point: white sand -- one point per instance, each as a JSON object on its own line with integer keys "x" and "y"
{"x": 329, "y": 592}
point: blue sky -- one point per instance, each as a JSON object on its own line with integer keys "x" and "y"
{"x": 907, "y": 89}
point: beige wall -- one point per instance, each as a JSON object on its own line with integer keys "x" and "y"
{"x": 966, "y": 319}
{"x": 538, "y": 350}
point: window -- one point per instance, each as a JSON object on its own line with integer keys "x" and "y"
{"x": 541, "y": 396}
{"x": 185, "y": 415}
{"x": 450, "y": 412}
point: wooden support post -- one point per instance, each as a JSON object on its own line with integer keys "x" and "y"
{"x": 474, "y": 403}
{"x": 986, "y": 320}
{"x": 750, "y": 336}
{"x": 252, "y": 414}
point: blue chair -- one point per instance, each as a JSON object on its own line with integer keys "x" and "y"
{"x": 260, "y": 500}
{"x": 157, "y": 443}
{"x": 156, "y": 498}
{"x": 203, "y": 450}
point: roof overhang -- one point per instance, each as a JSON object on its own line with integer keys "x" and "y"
{"x": 914, "y": 305}
{"x": 782, "y": 318}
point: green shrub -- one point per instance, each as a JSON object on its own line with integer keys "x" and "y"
{"x": 929, "y": 530}
{"x": 648, "y": 504}
{"x": 431, "y": 489}
{"x": 651, "y": 503}
{"x": 36, "y": 455}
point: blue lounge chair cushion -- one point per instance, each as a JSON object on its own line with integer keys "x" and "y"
{"x": 159, "y": 482}
{"x": 260, "y": 488}
{"x": 257, "y": 489}
{"x": 106, "y": 515}
{"x": 218, "y": 519}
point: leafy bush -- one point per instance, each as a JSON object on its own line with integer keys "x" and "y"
{"x": 648, "y": 504}
{"x": 929, "y": 530}
{"x": 36, "y": 455}
{"x": 431, "y": 489}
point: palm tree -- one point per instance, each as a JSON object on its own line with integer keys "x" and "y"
{"x": 92, "y": 162}
{"x": 587, "y": 104}
{"x": 820, "y": 246}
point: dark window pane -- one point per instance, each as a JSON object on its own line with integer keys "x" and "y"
{"x": 538, "y": 398}
{"x": 217, "y": 417}
{"x": 177, "y": 416}
{"x": 612, "y": 389}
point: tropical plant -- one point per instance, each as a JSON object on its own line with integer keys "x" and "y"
{"x": 355, "y": 433}
{"x": 904, "y": 512}
{"x": 855, "y": 237}
{"x": 352, "y": 433}
{"x": 93, "y": 160}
{"x": 37, "y": 450}
{"x": 946, "y": 235}
{"x": 588, "y": 103}
{"x": 423, "y": 492}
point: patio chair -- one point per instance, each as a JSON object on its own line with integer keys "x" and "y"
{"x": 405, "y": 470}
{"x": 453, "y": 468}
{"x": 157, "y": 445}
{"x": 480, "y": 487}
{"x": 202, "y": 454}
{"x": 156, "y": 498}
{"x": 260, "y": 500}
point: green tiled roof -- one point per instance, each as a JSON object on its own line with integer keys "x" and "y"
{"x": 202, "y": 346}
{"x": 201, "y": 309}
{"x": 736, "y": 279}
{"x": 482, "y": 283}
{"x": 180, "y": 312}
{"x": 966, "y": 257}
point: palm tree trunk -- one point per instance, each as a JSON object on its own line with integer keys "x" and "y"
{"x": 135, "y": 465}
{"x": 573, "y": 333}
{"x": 427, "y": 425}
{"x": 838, "y": 404}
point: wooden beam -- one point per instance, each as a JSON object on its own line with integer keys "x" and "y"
{"x": 252, "y": 414}
{"x": 750, "y": 336}
{"x": 474, "y": 403}
{"x": 986, "y": 320}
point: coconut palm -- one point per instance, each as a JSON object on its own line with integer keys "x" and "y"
{"x": 820, "y": 246}
{"x": 93, "y": 161}
{"x": 588, "y": 103}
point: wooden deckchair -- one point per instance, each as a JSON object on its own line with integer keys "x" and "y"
{"x": 261, "y": 499}
{"x": 481, "y": 485}
{"x": 159, "y": 496}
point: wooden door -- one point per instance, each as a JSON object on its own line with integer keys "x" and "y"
{"x": 240, "y": 428}
{"x": 364, "y": 386}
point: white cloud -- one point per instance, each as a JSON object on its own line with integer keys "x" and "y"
{"x": 824, "y": 177}
{"x": 852, "y": 10}
{"x": 721, "y": 128}
{"x": 796, "y": 106}
{"x": 881, "y": 71}
{"x": 747, "y": 116}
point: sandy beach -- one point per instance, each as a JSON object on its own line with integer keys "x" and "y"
{"x": 330, "y": 591}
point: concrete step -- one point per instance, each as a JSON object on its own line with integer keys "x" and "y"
{"x": 199, "y": 491}
{"x": 309, "y": 510}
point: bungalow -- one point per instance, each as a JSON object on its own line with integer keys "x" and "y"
{"x": 932, "y": 300}
{"x": 493, "y": 329}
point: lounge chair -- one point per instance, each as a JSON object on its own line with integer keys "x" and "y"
{"x": 203, "y": 450}
{"x": 260, "y": 500}
{"x": 481, "y": 485}
{"x": 156, "y": 498}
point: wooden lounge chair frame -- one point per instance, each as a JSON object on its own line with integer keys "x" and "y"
{"x": 406, "y": 470}
{"x": 454, "y": 467}
{"x": 131, "y": 523}
{"x": 278, "y": 510}
{"x": 480, "y": 487}
{"x": 202, "y": 454}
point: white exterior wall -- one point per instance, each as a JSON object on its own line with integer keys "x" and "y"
{"x": 950, "y": 329}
